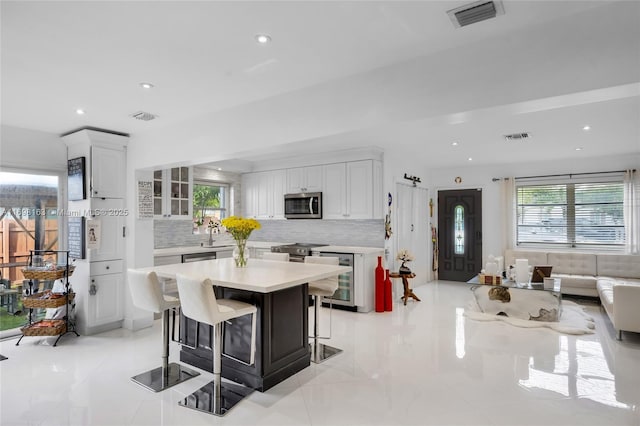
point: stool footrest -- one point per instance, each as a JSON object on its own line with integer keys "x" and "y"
{"x": 160, "y": 379}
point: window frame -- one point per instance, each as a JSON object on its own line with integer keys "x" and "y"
{"x": 225, "y": 209}
{"x": 570, "y": 184}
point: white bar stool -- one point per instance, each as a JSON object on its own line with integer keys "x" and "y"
{"x": 200, "y": 304}
{"x": 283, "y": 257}
{"x": 325, "y": 287}
{"x": 146, "y": 294}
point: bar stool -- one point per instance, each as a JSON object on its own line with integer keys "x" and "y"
{"x": 200, "y": 304}
{"x": 283, "y": 257}
{"x": 325, "y": 287}
{"x": 146, "y": 294}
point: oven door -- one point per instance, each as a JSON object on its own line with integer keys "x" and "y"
{"x": 303, "y": 206}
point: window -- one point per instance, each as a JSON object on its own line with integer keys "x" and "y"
{"x": 210, "y": 199}
{"x": 571, "y": 214}
{"x": 459, "y": 230}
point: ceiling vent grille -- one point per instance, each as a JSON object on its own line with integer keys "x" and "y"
{"x": 144, "y": 116}
{"x": 517, "y": 136}
{"x": 475, "y": 12}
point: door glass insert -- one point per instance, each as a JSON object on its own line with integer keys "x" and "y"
{"x": 458, "y": 233}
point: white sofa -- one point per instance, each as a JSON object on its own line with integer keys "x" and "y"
{"x": 614, "y": 278}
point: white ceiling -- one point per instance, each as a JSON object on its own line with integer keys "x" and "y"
{"x": 391, "y": 74}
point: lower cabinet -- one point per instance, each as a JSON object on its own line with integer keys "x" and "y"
{"x": 281, "y": 338}
{"x": 105, "y": 294}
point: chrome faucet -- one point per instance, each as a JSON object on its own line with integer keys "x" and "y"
{"x": 210, "y": 236}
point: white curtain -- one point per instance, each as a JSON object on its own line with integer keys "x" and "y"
{"x": 508, "y": 199}
{"x": 632, "y": 210}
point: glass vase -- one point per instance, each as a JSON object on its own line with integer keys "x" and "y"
{"x": 240, "y": 254}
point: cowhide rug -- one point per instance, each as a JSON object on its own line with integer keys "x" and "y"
{"x": 573, "y": 319}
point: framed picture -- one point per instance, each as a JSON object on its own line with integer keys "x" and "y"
{"x": 76, "y": 179}
{"x": 76, "y": 237}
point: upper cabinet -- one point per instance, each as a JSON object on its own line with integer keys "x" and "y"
{"x": 263, "y": 194}
{"x": 172, "y": 197}
{"x": 107, "y": 172}
{"x": 351, "y": 190}
{"x": 304, "y": 179}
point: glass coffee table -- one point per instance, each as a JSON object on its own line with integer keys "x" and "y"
{"x": 522, "y": 301}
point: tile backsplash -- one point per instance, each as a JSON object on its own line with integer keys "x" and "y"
{"x": 363, "y": 233}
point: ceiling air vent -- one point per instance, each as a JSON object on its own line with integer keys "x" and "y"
{"x": 517, "y": 136}
{"x": 475, "y": 12}
{"x": 144, "y": 116}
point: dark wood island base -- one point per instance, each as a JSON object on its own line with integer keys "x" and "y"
{"x": 282, "y": 339}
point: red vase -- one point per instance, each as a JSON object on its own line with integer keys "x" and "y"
{"x": 379, "y": 286}
{"x": 388, "y": 298}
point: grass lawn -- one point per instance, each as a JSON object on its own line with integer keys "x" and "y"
{"x": 9, "y": 321}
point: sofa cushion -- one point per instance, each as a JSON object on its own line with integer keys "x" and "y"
{"x": 605, "y": 291}
{"x": 618, "y": 265}
{"x": 573, "y": 263}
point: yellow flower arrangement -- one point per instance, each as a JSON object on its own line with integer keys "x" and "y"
{"x": 240, "y": 228}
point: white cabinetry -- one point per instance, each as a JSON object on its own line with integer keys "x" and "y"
{"x": 172, "y": 193}
{"x": 270, "y": 194}
{"x": 350, "y": 190}
{"x": 99, "y": 278}
{"x": 263, "y": 194}
{"x": 107, "y": 172}
{"x": 106, "y": 293}
{"x": 110, "y": 215}
{"x": 304, "y": 179}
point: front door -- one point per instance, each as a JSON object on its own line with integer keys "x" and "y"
{"x": 460, "y": 234}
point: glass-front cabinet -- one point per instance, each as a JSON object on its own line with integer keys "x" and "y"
{"x": 172, "y": 193}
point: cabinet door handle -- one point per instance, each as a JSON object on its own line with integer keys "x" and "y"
{"x": 107, "y": 267}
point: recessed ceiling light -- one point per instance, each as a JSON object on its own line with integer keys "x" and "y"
{"x": 80, "y": 111}
{"x": 219, "y": 168}
{"x": 146, "y": 85}
{"x": 263, "y": 38}
{"x": 579, "y": 149}
{"x": 454, "y": 143}
{"x": 586, "y": 128}
{"x": 470, "y": 159}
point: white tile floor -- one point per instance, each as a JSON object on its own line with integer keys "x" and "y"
{"x": 423, "y": 364}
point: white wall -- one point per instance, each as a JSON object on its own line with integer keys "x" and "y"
{"x": 481, "y": 177}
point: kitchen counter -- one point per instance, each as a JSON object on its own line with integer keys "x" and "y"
{"x": 279, "y": 290}
{"x": 262, "y": 276}
{"x": 217, "y": 246}
{"x": 351, "y": 249}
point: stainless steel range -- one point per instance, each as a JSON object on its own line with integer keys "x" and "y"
{"x": 297, "y": 251}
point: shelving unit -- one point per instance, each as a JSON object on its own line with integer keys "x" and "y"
{"x": 52, "y": 327}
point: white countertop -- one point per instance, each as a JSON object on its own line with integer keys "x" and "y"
{"x": 176, "y": 251}
{"x": 216, "y": 246}
{"x": 351, "y": 249}
{"x": 262, "y": 276}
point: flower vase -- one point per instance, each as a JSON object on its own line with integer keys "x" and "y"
{"x": 379, "y": 286}
{"x": 240, "y": 254}
{"x": 388, "y": 292}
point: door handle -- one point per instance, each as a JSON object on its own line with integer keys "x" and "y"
{"x": 310, "y": 205}
{"x": 412, "y": 227}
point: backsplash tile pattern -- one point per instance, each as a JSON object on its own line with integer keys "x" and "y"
{"x": 363, "y": 233}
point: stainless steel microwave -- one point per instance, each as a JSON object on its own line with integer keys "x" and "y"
{"x": 304, "y": 205}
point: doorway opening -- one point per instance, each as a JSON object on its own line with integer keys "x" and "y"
{"x": 28, "y": 221}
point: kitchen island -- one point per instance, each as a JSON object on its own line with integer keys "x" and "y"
{"x": 280, "y": 292}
